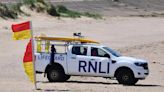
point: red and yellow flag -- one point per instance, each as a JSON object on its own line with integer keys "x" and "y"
{"x": 28, "y": 62}
{"x": 21, "y": 31}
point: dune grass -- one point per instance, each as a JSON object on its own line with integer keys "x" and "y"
{"x": 14, "y": 10}
{"x": 6, "y": 12}
{"x": 65, "y": 12}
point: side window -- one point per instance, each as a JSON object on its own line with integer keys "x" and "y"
{"x": 79, "y": 50}
{"x": 99, "y": 52}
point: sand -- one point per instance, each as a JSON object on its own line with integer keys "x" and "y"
{"x": 140, "y": 37}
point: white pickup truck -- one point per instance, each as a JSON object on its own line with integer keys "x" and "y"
{"x": 87, "y": 59}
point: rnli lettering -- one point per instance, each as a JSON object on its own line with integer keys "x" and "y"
{"x": 82, "y": 65}
{"x": 95, "y": 67}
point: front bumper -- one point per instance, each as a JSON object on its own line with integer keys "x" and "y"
{"x": 141, "y": 73}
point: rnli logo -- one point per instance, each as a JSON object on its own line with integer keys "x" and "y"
{"x": 96, "y": 67}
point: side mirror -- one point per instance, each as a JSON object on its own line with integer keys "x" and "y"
{"x": 107, "y": 55}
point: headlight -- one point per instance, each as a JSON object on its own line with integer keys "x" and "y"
{"x": 138, "y": 63}
{"x": 141, "y": 64}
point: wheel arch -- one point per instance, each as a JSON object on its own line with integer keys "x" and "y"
{"x": 52, "y": 66}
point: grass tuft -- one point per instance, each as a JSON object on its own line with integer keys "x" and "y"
{"x": 95, "y": 16}
{"x": 64, "y": 12}
{"x": 52, "y": 11}
{"x": 6, "y": 12}
{"x": 38, "y": 5}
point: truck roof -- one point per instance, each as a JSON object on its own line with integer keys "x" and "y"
{"x": 88, "y": 44}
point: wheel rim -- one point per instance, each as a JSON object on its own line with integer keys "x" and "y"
{"x": 125, "y": 77}
{"x": 53, "y": 74}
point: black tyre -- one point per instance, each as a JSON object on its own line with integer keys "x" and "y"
{"x": 67, "y": 77}
{"x": 56, "y": 74}
{"x": 126, "y": 77}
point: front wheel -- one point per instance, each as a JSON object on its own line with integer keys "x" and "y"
{"x": 126, "y": 77}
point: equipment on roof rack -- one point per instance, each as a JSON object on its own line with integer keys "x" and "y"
{"x": 44, "y": 42}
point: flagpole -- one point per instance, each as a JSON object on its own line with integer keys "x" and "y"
{"x": 32, "y": 41}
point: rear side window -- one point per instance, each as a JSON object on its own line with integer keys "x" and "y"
{"x": 79, "y": 50}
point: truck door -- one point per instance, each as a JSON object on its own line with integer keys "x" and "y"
{"x": 98, "y": 63}
{"x": 76, "y": 54}
{"x": 89, "y": 61}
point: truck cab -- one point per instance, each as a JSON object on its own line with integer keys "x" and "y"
{"x": 88, "y": 59}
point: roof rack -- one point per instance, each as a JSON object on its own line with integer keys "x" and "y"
{"x": 69, "y": 40}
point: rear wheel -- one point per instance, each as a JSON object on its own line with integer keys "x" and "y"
{"x": 56, "y": 74}
{"x": 126, "y": 77}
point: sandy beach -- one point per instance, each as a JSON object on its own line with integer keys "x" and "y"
{"x": 140, "y": 37}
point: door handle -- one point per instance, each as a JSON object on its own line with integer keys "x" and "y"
{"x": 92, "y": 59}
{"x": 73, "y": 57}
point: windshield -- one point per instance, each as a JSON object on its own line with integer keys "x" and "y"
{"x": 112, "y": 51}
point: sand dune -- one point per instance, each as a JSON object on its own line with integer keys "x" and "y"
{"x": 124, "y": 8}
